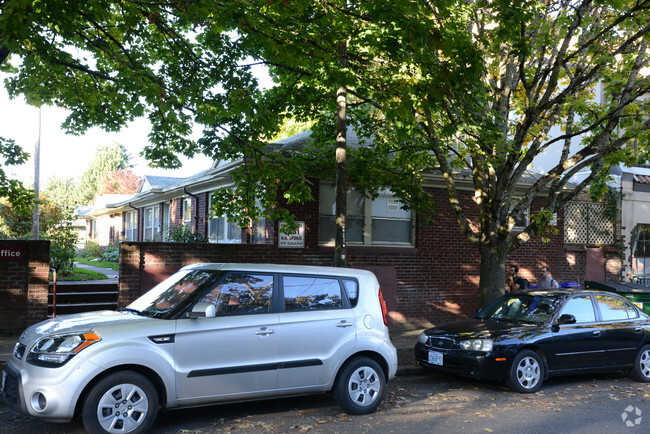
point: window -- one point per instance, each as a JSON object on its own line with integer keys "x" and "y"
{"x": 166, "y": 221}
{"x": 612, "y": 308}
{"x": 187, "y": 212}
{"x": 152, "y": 224}
{"x": 131, "y": 226}
{"x": 327, "y": 220}
{"x": 521, "y": 221}
{"x": 221, "y": 230}
{"x": 381, "y": 221}
{"x": 311, "y": 293}
{"x": 390, "y": 223}
{"x": 93, "y": 229}
{"x": 241, "y": 294}
{"x": 352, "y": 290}
{"x": 581, "y": 308}
{"x": 641, "y": 250}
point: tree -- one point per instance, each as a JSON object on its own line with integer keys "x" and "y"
{"x": 108, "y": 159}
{"x": 474, "y": 90}
{"x": 121, "y": 181}
{"x": 19, "y": 196}
{"x": 61, "y": 191}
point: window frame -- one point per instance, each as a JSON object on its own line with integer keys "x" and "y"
{"x": 526, "y": 214}
{"x": 367, "y": 218}
{"x": 155, "y": 227}
{"x": 213, "y": 219}
{"x": 346, "y": 302}
{"x": 187, "y": 208}
{"x": 131, "y": 225}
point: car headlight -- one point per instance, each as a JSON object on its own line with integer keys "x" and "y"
{"x": 477, "y": 345}
{"x": 423, "y": 338}
{"x": 53, "y": 351}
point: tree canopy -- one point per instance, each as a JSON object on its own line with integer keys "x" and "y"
{"x": 471, "y": 90}
{"x": 107, "y": 160}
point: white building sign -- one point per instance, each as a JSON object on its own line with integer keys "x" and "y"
{"x": 294, "y": 240}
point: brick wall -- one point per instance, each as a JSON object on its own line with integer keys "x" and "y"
{"x": 434, "y": 282}
{"x": 23, "y": 285}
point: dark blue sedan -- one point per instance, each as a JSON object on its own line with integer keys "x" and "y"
{"x": 524, "y": 337}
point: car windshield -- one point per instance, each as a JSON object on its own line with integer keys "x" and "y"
{"x": 521, "y": 307}
{"x": 169, "y": 296}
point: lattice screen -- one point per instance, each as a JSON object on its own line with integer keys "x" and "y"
{"x": 586, "y": 223}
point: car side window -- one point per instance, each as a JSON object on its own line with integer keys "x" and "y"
{"x": 352, "y": 289}
{"x": 242, "y": 293}
{"x": 311, "y": 293}
{"x": 612, "y": 308}
{"x": 581, "y": 308}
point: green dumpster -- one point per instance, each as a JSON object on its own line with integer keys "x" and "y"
{"x": 637, "y": 294}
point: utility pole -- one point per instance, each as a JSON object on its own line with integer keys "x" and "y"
{"x": 37, "y": 174}
{"x": 340, "y": 241}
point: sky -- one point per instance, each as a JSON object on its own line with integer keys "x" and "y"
{"x": 68, "y": 156}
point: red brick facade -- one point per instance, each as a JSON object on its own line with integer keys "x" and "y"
{"x": 23, "y": 284}
{"x": 435, "y": 281}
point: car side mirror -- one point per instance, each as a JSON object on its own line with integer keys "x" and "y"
{"x": 203, "y": 309}
{"x": 566, "y": 319}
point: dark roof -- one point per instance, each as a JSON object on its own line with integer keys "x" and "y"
{"x": 161, "y": 181}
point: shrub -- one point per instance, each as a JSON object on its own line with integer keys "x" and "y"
{"x": 92, "y": 250}
{"x": 183, "y": 234}
{"x": 62, "y": 247}
{"x": 112, "y": 253}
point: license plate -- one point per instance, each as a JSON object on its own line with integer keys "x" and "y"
{"x": 435, "y": 358}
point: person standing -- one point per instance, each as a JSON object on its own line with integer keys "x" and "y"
{"x": 547, "y": 281}
{"x": 515, "y": 282}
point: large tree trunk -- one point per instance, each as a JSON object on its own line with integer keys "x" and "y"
{"x": 493, "y": 274}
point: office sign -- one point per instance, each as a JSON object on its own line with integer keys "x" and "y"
{"x": 12, "y": 253}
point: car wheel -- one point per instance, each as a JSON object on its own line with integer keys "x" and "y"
{"x": 641, "y": 370}
{"x": 360, "y": 386}
{"x": 123, "y": 402}
{"x": 527, "y": 372}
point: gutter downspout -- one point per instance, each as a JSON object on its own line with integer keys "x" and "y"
{"x": 196, "y": 208}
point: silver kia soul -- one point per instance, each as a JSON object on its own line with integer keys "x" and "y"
{"x": 210, "y": 333}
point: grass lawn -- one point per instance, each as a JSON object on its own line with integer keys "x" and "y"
{"x": 103, "y": 264}
{"x": 79, "y": 274}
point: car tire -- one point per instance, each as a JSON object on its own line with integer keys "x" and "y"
{"x": 526, "y": 373}
{"x": 360, "y": 386}
{"x": 641, "y": 370}
{"x": 124, "y": 402}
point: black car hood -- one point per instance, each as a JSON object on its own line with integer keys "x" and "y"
{"x": 474, "y": 328}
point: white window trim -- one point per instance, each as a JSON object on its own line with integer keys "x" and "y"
{"x": 131, "y": 215}
{"x": 367, "y": 231}
{"x": 212, "y": 218}
{"x": 526, "y": 215}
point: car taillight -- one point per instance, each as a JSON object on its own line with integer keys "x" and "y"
{"x": 384, "y": 310}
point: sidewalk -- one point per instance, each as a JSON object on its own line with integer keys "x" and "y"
{"x": 110, "y": 274}
{"x": 404, "y": 341}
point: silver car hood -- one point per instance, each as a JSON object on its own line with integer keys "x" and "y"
{"x": 79, "y": 322}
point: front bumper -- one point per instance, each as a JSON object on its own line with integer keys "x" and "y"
{"x": 47, "y": 393}
{"x": 493, "y": 365}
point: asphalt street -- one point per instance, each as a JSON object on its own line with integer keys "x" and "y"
{"x": 421, "y": 402}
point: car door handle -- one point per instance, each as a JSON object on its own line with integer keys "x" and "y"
{"x": 344, "y": 324}
{"x": 264, "y": 332}
{"x": 596, "y": 333}
{"x": 638, "y": 330}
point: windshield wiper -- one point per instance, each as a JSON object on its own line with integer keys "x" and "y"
{"x": 130, "y": 310}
